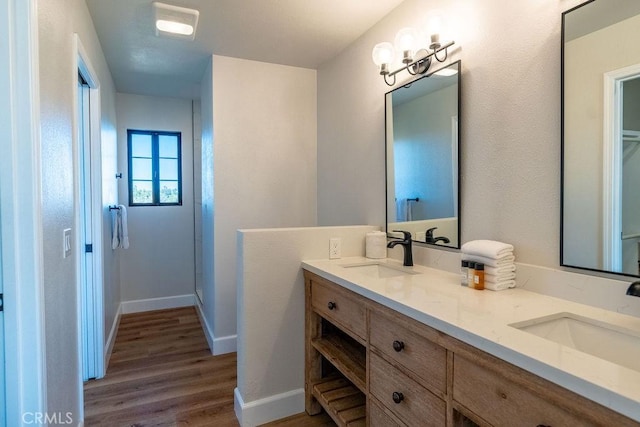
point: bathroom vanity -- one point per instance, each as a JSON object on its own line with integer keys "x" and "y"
{"x": 388, "y": 345}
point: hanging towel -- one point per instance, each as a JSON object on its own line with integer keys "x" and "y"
{"x": 505, "y": 261}
{"x": 403, "y": 210}
{"x": 487, "y": 248}
{"x": 119, "y": 230}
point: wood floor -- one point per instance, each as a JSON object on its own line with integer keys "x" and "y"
{"x": 162, "y": 373}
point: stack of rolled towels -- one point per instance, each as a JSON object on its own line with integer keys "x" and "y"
{"x": 498, "y": 260}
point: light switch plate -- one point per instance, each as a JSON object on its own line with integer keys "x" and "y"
{"x": 66, "y": 242}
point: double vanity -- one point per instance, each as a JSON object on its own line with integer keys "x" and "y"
{"x": 392, "y": 345}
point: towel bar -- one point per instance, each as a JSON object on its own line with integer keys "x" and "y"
{"x": 114, "y": 208}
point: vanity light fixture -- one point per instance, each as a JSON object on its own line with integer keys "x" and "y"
{"x": 416, "y": 59}
{"x": 175, "y": 21}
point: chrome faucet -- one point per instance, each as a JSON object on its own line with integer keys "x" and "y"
{"x": 406, "y": 245}
{"x": 634, "y": 289}
{"x": 433, "y": 240}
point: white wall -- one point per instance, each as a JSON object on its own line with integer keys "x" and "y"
{"x": 510, "y": 122}
{"x": 58, "y": 20}
{"x": 197, "y": 195}
{"x": 207, "y": 214}
{"x": 160, "y": 260}
{"x": 262, "y": 168}
{"x": 271, "y": 347}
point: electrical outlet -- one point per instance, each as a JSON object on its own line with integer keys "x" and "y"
{"x": 334, "y": 248}
{"x": 66, "y": 242}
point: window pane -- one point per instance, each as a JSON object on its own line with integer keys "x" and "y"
{"x": 142, "y": 192}
{"x": 169, "y": 169}
{"x": 169, "y": 192}
{"x": 141, "y": 169}
{"x": 168, "y": 146}
{"x": 140, "y": 145}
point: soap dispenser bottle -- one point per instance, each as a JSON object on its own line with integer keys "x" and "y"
{"x": 478, "y": 279}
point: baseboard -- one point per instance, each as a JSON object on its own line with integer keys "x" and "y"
{"x": 141, "y": 305}
{"x": 224, "y": 345}
{"x": 208, "y": 333}
{"x": 270, "y": 408}
{"x": 111, "y": 340}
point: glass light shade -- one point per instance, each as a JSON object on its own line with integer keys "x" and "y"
{"x": 407, "y": 40}
{"x": 435, "y": 27}
{"x": 382, "y": 53}
{"x": 174, "y": 27}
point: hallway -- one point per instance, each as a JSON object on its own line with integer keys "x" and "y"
{"x": 162, "y": 373}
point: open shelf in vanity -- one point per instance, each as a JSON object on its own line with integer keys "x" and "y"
{"x": 336, "y": 357}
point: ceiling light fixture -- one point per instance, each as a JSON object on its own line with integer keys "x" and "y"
{"x": 175, "y": 21}
{"x": 416, "y": 59}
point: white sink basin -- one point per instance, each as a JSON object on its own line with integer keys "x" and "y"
{"x": 599, "y": 339}
{"x": 379, "y": 270}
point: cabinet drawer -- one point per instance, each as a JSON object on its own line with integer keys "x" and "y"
{"x": 379, "y": 418}
{"x": 426, "y": 359}
{"x": 338, "y": 306}
{"x": 405, "y": 398}
{"x": 501, "y": 402}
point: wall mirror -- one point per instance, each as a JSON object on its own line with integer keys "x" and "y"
{"x": 601, "y": 137}
{"x": 422, "y": 157}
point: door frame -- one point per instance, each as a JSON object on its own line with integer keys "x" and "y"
{"x": 612, "y": 166}
{"x": 94, "y": 304}
{"x": 20, "y": 211}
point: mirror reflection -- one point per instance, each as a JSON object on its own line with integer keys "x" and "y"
{"x": 422, "y": 138}
{"x": 601, "y": 137}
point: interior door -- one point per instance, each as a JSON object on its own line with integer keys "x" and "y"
{"x": 3, "y": 403}
{"x": 88, "y": 321}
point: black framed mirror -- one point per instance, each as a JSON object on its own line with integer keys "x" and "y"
{"x": 600, "y": 210}
{"x": 422, "y": 120}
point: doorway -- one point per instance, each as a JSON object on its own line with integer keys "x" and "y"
{"x": 621, "y": 238}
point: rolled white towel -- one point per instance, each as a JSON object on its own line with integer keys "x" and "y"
{"x": 505, "y": 261}
{"x": 497, "y": 271}
{"x": 487, "y": 248}
{"x": 500, "y": 286}
{"x": 490, "y": 278}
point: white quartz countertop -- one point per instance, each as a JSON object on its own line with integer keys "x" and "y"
{"x": 482, "y": 319}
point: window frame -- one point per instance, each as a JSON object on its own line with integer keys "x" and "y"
{"x": 155, "y": 166}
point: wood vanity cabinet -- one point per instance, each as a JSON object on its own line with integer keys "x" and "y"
{"x": 368, "y": 365}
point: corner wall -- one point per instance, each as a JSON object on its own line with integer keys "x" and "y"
{"x": 261, "y": 171}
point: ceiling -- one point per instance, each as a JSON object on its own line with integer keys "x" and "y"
{"x": 301, "y": 33}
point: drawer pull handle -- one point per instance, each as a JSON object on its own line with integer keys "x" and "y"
{"x": 398, "y": 346}
{"x": 542, "y": 425}
{"x": 331, "y": 305}
{"x": 397, "y": 397}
